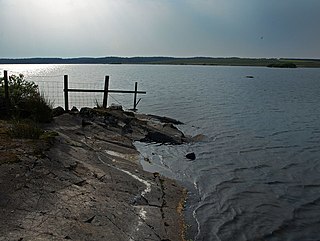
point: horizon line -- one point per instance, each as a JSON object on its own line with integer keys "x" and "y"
{"x": 153, "y": 56}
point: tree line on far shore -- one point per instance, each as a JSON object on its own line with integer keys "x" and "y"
{"x": 230, "y": 61}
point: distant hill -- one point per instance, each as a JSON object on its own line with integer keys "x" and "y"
{"x": 233, "y": 61}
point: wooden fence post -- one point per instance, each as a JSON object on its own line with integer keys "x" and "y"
{"x": 106, "y": 90}
{"x": 135, "y": 96}
{"x": 6, "y": 90}
{"x": 66, "y": 96}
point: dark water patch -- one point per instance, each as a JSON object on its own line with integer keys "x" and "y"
{"x": 275, "y": 183}
{"x": 290, "y": 165}
{"x": 267, "y": 206}
{"x": 310, "y": 148}
{"x": 229, "y": 182}
{"x": 258, "y": 149}
{"x": 281, "y": 147}
{"x": 283, "y": 132}
{"x": 316, "y": 132}
{"x": 295, "y": 230}
{"x": 239, "y": 169}
{"x": 309, "y": 186}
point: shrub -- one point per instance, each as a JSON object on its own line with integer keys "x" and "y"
{"x": 37, "y": 108}
{"x": 25, "y": 99}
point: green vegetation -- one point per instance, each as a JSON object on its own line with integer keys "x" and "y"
{"x": 282, "y": 65}
{"x": 25, "y": 100}
{"x": 25, "y": 129}
{"x": 27, "y": 107}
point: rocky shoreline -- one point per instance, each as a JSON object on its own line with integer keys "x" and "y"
{"x": 86, "y": 183}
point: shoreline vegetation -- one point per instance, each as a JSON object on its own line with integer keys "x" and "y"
{"x": 208, "y": 61}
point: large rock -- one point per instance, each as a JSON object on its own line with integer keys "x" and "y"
{"x": 136, "y": 127}
{"x": 58, "y": 111}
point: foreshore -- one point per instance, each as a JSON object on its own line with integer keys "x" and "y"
{"x": 86, "y": 182}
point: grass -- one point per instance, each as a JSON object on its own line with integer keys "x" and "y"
{"x": 25, "y": 129}
{"x": 22, "y": 138}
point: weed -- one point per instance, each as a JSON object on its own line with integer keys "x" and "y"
{"x": 25, "y": 129}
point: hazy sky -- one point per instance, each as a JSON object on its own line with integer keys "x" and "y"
{"x": 242, "y": 28}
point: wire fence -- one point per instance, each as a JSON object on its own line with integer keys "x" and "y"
{"x": 52, "y": 88}
{"x": 53, "y": 92}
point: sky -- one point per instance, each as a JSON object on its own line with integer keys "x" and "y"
{"x": 181, "y": 28}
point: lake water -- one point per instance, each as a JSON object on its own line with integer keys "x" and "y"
{"x": 257, "y": 173}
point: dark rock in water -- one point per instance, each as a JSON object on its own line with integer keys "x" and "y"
{"x": 57, "y": 111}
{"x": 164, "y": 134}
{"x": 191, "y": 156}
{"x": 158, "y": 137}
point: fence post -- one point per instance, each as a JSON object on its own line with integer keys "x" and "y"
{"x": 6, "y": 90}
{"x": 135, "y": 96}
{"x": 66, "y": 95}
{"x": 106, "y": 90}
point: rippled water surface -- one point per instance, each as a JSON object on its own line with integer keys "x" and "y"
{"x": 256, "y": 176}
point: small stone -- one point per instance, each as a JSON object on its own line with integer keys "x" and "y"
{"x": 191, "y": 156}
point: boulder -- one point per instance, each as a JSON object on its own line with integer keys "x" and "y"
{"x": 191, "y": 156}
{"x": 57, "y": 111}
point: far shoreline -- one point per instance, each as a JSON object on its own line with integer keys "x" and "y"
{"x": 203, "y": 61}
